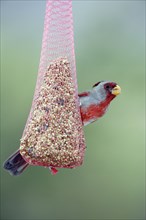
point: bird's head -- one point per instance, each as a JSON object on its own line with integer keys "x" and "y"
{"x": 106, "y": 90}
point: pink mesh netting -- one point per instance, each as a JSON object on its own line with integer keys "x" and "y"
{"x": 53, "y": 135}
{"x": 58, "y": 41}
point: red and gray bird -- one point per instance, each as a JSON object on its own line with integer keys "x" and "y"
{"x": 93, "y": 105}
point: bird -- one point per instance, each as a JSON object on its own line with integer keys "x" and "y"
{"x": 93, "y": 105}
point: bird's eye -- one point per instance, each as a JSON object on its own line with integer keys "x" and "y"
{"x": 107, "y": 86}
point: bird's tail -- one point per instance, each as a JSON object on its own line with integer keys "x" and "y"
{"x": 15, "y": 164}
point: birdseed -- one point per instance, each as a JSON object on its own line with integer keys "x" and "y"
{"x": 54, "y": 134}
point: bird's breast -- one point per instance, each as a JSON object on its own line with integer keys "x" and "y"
{"x": 92, "y": 112}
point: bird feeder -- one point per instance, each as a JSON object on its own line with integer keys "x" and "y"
{"x": 53, "y": 135}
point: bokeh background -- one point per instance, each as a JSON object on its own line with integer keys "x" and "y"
{"x": 109, "y": 44}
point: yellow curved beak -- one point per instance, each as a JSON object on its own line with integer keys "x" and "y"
{"x": 116, "y": 90}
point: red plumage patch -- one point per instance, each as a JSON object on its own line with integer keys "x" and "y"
{"x": 84, "y": 94}
{"x": 93, "y": 111}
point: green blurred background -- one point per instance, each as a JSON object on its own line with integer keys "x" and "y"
{"x": 109, "y": 45}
